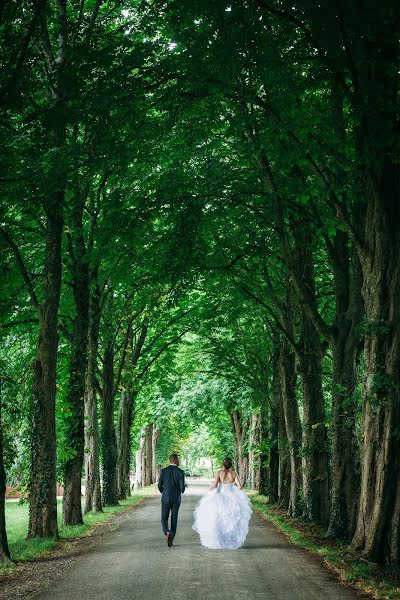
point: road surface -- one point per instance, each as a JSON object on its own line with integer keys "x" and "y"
{"x": 134, "y": 563}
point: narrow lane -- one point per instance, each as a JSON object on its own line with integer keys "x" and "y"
{"x": 134, "y": 563}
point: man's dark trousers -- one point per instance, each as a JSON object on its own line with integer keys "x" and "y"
{"x": 170, "y": 508}
{"x": 171, "y": 485}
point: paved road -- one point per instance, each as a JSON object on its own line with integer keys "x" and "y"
{"x": 134, "y": 563}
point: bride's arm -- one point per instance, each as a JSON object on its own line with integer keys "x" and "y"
{"x": 215, "y": 482}
{"x": 238, "y": 482}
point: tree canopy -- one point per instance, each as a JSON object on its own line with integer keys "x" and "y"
{"x": 200, "y": 251}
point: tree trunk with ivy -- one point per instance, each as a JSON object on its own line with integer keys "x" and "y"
{"x": 375, "y": 100}
{"x": 109, "y": 442}
{"x": 275, "y": 412}
{"x": 93, "y": 501}
{"x": 287, "y": 364}
{"x": 125, "y": 415}
{"x": 284, "y": 464}
{"x": 345, "y": 402}
{"x": 42, "y": 477}
{"x": 72, "y": 506}
{"x": 4, "y": 548}
{"x": 265, "y": 443}
{"x": 315, "y": 441}
{"x": 377, "y": 534}
{"x": 126, "y": 404}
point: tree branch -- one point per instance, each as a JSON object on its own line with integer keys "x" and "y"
{"x": 62, "y": 31}
{"x": 161, "y": 351}
{"x": 22, "y": 268}
{"x": 312, "y": 312}
{"x": 10, "y": 324}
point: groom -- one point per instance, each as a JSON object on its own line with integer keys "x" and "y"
{"x": 171, "y": 485}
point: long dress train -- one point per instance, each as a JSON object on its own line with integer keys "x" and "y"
{"x": 222, "y": 517}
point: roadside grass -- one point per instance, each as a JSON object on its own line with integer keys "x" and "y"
{"x": 380, "y": 582}
{"x": 17, "y": 516}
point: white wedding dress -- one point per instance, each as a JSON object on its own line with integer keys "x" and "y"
{"x": 222, "y": 517}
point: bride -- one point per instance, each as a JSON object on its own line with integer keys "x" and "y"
{"x": 222, "y": 516}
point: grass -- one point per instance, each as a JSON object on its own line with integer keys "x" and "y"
{"x": 17, "y": 516}
{"x": 380, "y": 582}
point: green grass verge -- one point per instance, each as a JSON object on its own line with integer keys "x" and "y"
{"x": 378, "y": 581}
{"x": 17, "y": 516}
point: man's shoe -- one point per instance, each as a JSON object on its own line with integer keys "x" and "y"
{"x": 169, "y": 540}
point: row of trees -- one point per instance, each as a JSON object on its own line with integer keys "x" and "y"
{"x": 225, "y": 170}
{"x": 309, "y": 110}
{"x": 89, "y": 303}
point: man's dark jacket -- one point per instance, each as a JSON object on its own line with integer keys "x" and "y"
{"x": 171, "y": 484}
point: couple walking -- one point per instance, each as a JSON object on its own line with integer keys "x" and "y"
{"x": 221, "y": 517}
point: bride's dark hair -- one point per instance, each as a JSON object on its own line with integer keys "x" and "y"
{"x": 227, "y": 464}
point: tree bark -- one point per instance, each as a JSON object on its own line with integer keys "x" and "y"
{"x": 376, "y": 89}
{"x": 254, "y": 458}
{"x": 275, "y": 409}
{"x": 291, "y": 410}
{"x": 140, "y": 460}
{"x": 155, "y": 471}
{"x": 346, "y": 349}
{"x": 109, "y": 442}
{"x": 124, "y": 443}
{"x": 284, "y": 463}
{"x": 72, "y": 507}
{"x": 93, "y": 500}
{"x": 5, "y": 558}
{"x": 240, "y": 430}
{"x": 148, "y": 455}
{"x": 43, "y": 477}
{"x": 42, "y": 480}
{"x": 377, "y": 534}
{"x": 315, "y": 441}
{"x": 125, "y": 420}
{"x": 265, "y": 452}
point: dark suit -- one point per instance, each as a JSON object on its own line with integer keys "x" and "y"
{"x": 171, "y": 485}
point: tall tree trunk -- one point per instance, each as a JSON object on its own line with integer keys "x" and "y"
{"x": 125, "y": 420}
{"x": 377, "y": 534}
{"x": 315, "y": 441}
{"x": 4, "y": 549}
{"x": 265, "y": 443}
{"x": 154, "y": 470}
{"x": 42, "y": 479}
{"x": 346, "y": 350}
{"x": 72, "y": 507}
{"x": 291, "y": 410}
{"x": 148, "y": 455}
{"x": 275, "y": 410}
{"x": 240, "y": 430}
{"x": 284, "y": 463}
{"x": 375, "y": 87}
{"x": 140, "y": 460}
{"x": 92, "y": 450}
{"x": 124, "y": 443}
{"x": 109, "y": 442}
{"x": 43, "y": 476}
{"x": 254, "y": 458}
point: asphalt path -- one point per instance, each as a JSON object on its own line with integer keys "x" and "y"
{"x": 135, "y": 563}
